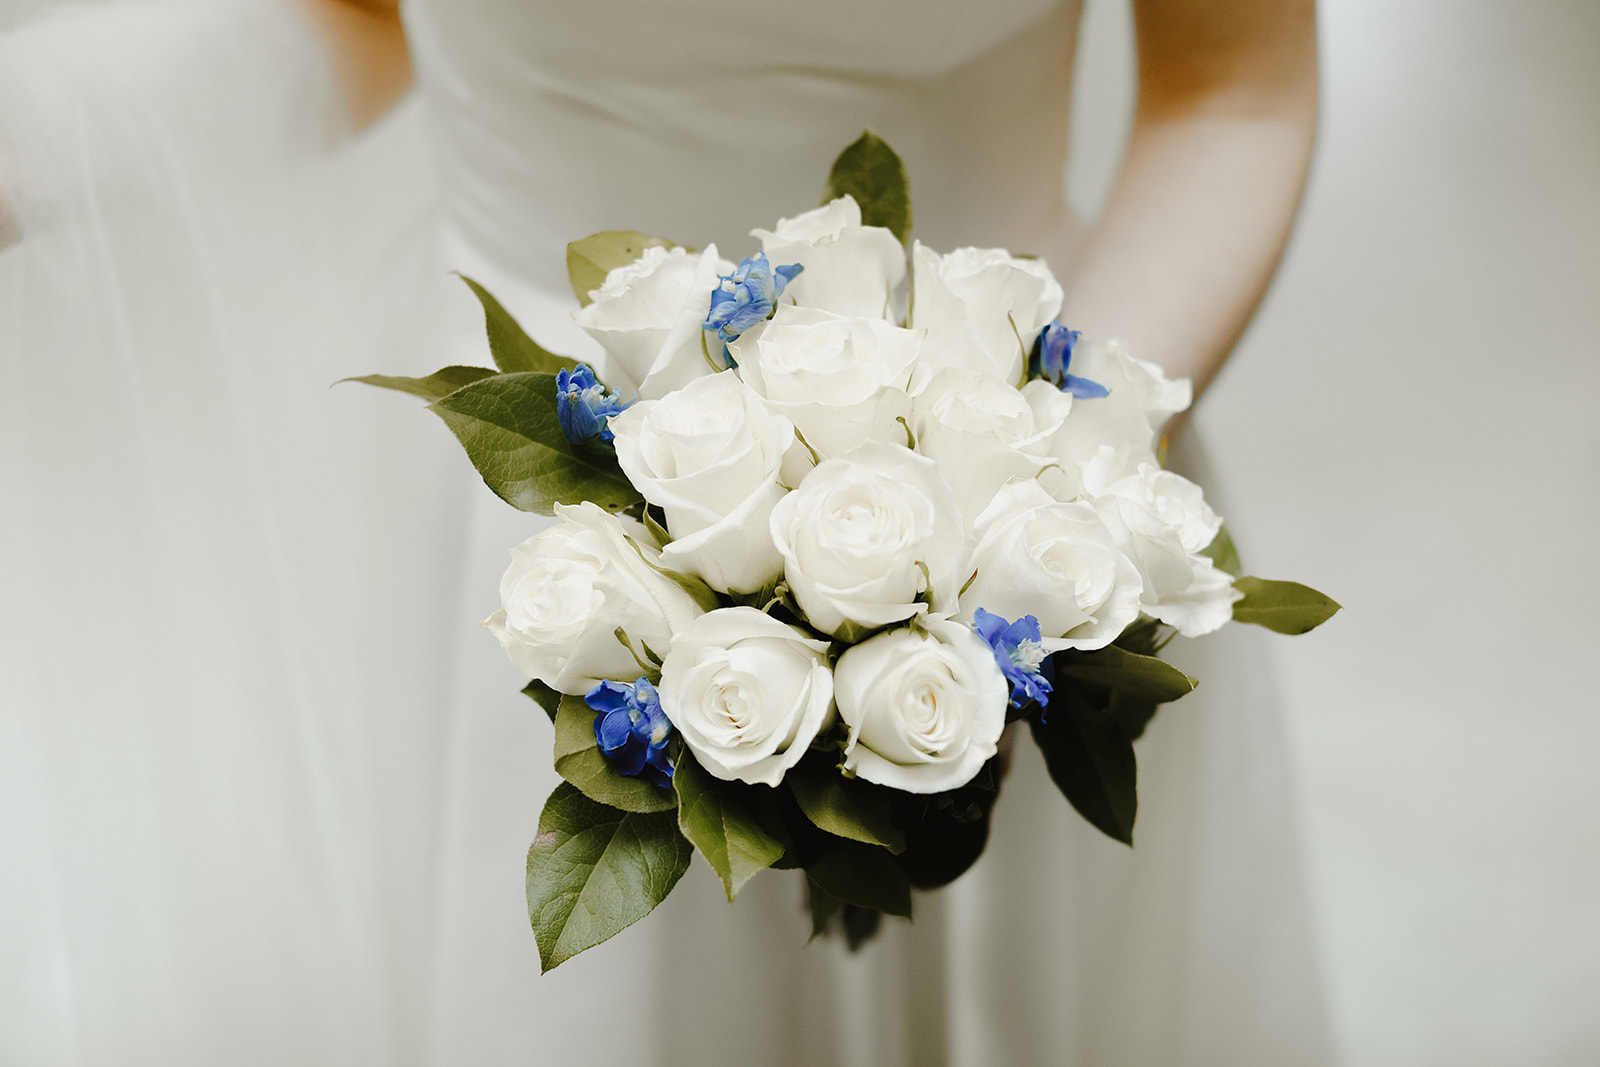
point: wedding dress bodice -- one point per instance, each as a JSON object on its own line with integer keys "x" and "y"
{"x": 696, "y": 120}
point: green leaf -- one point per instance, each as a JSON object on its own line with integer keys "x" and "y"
{"x": 542, "y": 695}
{"x": 513, "y": 350}
{"x": 1142, "y": 677}
{"x": 436, "y": 386}
{"x": 865, "y": 876}
{"x": 845, "y": 807}
{"x": 509, "y": 427}
{"x": 594, "y": 871}
{"x": 591, "y": 259}
{"x": 722, "y": 820}
{"x": 580, "y": 761}
{"x": 1283, "y": 607}
{"x": 870, "y": 171}
{"x": 824, "y": 906}
{"x": 1223, "y": 553}
{"x": 1090, "y": 758}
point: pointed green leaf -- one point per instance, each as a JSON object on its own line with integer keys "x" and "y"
{"x": 865, "y": 876}
{"x": 509, "y": 427}
{"x": 436, "y": 386}
{"x": 593, "y": 871}
{"x": 846, "y": 807}
{"x": 1142, "y": 677}
{"x": 513, "y": 350}
{"x": 1223, "y": 553}
{"x": 1283, "y": 607}
{"x": 824, "y": 906}
{"x": 580, "y": 761}
{"x": 542, "y": 695}
{"x": 591, "y": 259}
{"x": 722, "y": 820}
{"x": 1090, "y": 758}
{"x": 870, "y": 171}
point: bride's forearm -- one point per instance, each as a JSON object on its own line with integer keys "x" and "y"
{"x": 367, "y": 44}
{"x": 1210, "y": 184}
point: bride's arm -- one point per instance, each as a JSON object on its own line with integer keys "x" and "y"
{"x": 368, "y": 46}
{"x": 1208, "y": 190}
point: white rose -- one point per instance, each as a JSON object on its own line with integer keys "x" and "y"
{"x": 925, "y": 706}
{"x": 747, "y": 692}
{"x": 983, "y": 308}
{"x": 648, "y": 316}
{"x": 1162, "y": 521}
{"x": 710, "y": 455}
{"x": 1057, "y": 562}
{"x": 1128, "y": 420}
{"x": 841, "y": 381}
{"x": 981, "y": 432}
{"x": 568, "y": 589}
{"x": 850, "y": 269}
{"x": 870, "y": 538}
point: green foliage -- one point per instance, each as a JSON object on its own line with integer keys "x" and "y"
{"x": 1142, "y": 677}
{"x": 946, "y": 832}
{"x": 544, "y": 696}
{"x": 593, "y": 871}
{"x": 845, "y": 807}
{"x": 436, "y": 386}
{"x": 509, "y": 427}
{"x": 864, "y": 875}
{"x": 513, "y": 350}
{"x": 1223, "y": 553}
{"x": 870, "y": 171}
{"x": 580, "y": 761}
{"x": 1283, "y": 607}
{"x": 1090, "y": 758}
{"x": 591, "y": 259}
{"x": 724, "y": 821}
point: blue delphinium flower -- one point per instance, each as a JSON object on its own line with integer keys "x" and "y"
{"x": 1052, "y": 355}
{"x": 632, "y": 729}
{"x": 584, "y": 406}
{"x": 747, "y": 296}
{"x": 1019, "y": 650}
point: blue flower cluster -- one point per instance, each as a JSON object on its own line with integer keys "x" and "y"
{"x": 1052, "y": 355}
{"x": 747, "y": 296}
{"x": 632, "y": 729}
{"x": 584, "y": 406}
{"x": 1019, "y": 650}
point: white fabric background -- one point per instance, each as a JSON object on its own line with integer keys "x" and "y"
{"x": 1411, "y": 425}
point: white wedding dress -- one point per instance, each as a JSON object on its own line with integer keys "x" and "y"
{"x": 265, "y": 787}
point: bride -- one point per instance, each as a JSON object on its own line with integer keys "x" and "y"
{"x": 267, "y": 789}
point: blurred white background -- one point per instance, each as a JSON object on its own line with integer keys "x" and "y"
{"x": 1413, "y": 425}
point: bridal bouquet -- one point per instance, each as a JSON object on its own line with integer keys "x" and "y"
{"x": 827, "y": 523}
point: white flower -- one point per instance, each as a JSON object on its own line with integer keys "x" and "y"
{"x": 850, "y": 269}
{"x": 1162, "y": 521}
{"x": 1057, "y": 562}
{"x": 841, "y": 381}
{"x": 710, "y": 455}
{"x": 648, "y": 315}
{"x": 983, "y": 308}
{"x": 870, "y": 538}
{"x": 747, "y": 692}
{"x": 568, "y": 589}
{"x": 925, "y": 706}
{"x": 981, "y": 432}
{"x": 1128, "y": 420}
